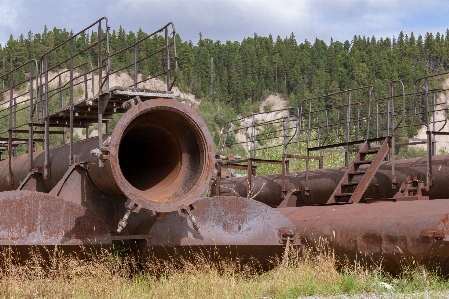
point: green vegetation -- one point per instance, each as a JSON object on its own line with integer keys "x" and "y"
{"x": 238, "y": 73}
{"x": 233, "y": 77}
{"x": 411, "y": 152}
{"x": 114, "y": 274}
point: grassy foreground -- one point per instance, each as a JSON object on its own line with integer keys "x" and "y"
{"x": 107, "y": 275}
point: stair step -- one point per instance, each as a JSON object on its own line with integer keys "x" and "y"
{"x": 363, "y": 162}
{"x": 356, "y": 172}
{"x": 370, "y": 151}
{"x": 345, "y": 186}
{"x": 343, "y": 195}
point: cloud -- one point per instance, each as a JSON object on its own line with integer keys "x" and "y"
{"x": 9, "y": 21}
{"x": 232, "y": 19}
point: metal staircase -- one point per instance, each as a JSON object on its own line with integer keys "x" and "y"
{"x": 55, "y": 94}
{"x": 355, "y": 182}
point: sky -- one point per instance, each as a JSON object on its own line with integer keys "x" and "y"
{"x": 232, "y": 20}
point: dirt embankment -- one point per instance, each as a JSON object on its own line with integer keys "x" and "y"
{"x": 441, "y": 123}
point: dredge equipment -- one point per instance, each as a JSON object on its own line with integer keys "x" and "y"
{"x": 145, "y": 183}
{"x": 148, "y": 183}
{"x": 352, "y": 191}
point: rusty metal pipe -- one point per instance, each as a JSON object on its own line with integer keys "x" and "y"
{"x": 384, "y": 232}
{"x": 160, "y": 156}
{"x": 322, "y": 182}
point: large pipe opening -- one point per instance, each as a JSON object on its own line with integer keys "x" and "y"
{"x": 161, "y": 154}
{"x": 149, "y": 157}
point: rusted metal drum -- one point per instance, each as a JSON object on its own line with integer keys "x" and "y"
{"x": 160, "y": 156}
{"x": 386, "y": 232}
{"x": 225, "y": 226}
{"x": 322, "y": 182}
{"x": 36, "y": 218}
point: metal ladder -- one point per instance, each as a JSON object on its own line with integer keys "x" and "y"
{"x": 350, "y": 190}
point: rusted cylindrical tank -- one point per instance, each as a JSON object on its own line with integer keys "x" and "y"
{"x": 384, "y": 232}
{"x": 322, "y": 182}
{"x": 218, "y": 227}
{"x": 160, "y": 156}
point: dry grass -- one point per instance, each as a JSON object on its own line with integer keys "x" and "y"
{"x": 109, "y": 275}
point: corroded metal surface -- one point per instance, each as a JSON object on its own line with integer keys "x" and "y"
{"x": 387, "y": 231}
{"x": 160, "y": 157}
{"x": 226, "y": 227}
{"x": 34, "y": 218}
{"x": 322, "y": 182}
{"x": 223, "y": 220}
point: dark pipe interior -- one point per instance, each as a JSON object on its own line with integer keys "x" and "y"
{"x": 148, "y": 157}
{"x": 160, "y": 155}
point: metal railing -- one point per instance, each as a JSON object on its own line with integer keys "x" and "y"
{"x": 261, "y": 131}
{"x": 18, "y": 111}
{"x": 163, "y": 55}
{"x": 74, "y": 71}
{"x": 340, "y": 121}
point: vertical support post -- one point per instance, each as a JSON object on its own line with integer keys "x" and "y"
{"x": 286, "y": 125}
{"x": 167, "y": 55}
{"x": 348, "y": 128}
{"x": 388, "y": 122}
{"x": 434, "y": 142}
{"x": 287, "y": 129}
{"x": 218, "y": 181}
{"x": 136, "y": 66}
{"x": 71, "y": 105}
{"x": 377, "y": 118}
{"x": 253, "y": 139}
{"x": 47, "y": 166}
{"x": 308, "y": 143}
{"x": 64, "y": 135}
{"x": 3, "y": 80}
{"x": 39, "y": 89}
{"x": 100, "y": 92}
{"x": 86, "y": 95}
{"x": 100, "y": 59}
{"x": 10, "y": 180}
{"x": 14, "y": 125}
{"x": 429, "y": 159}
{"x": 108, "y": 59}
{"x": 299, "y": 125}
{"x": 393, "y": 140}
{"x": 368, "y": 117}
{"x": 30, "y": 124}
{"x": 358, "y": 121}
{"x": 429, "y": 139}
{"x": 250, "y": 174}
{"x": 283, "y": 167}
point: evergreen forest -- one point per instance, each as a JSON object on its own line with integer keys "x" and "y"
{"x": 243, "y": 72}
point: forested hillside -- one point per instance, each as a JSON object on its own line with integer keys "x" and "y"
{"x": 241, "y": 72}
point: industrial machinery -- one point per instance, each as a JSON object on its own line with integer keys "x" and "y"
{"x": 150, "y": 178}
{"x": 352, "y": 191}
{"x": 143, "y": 184}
